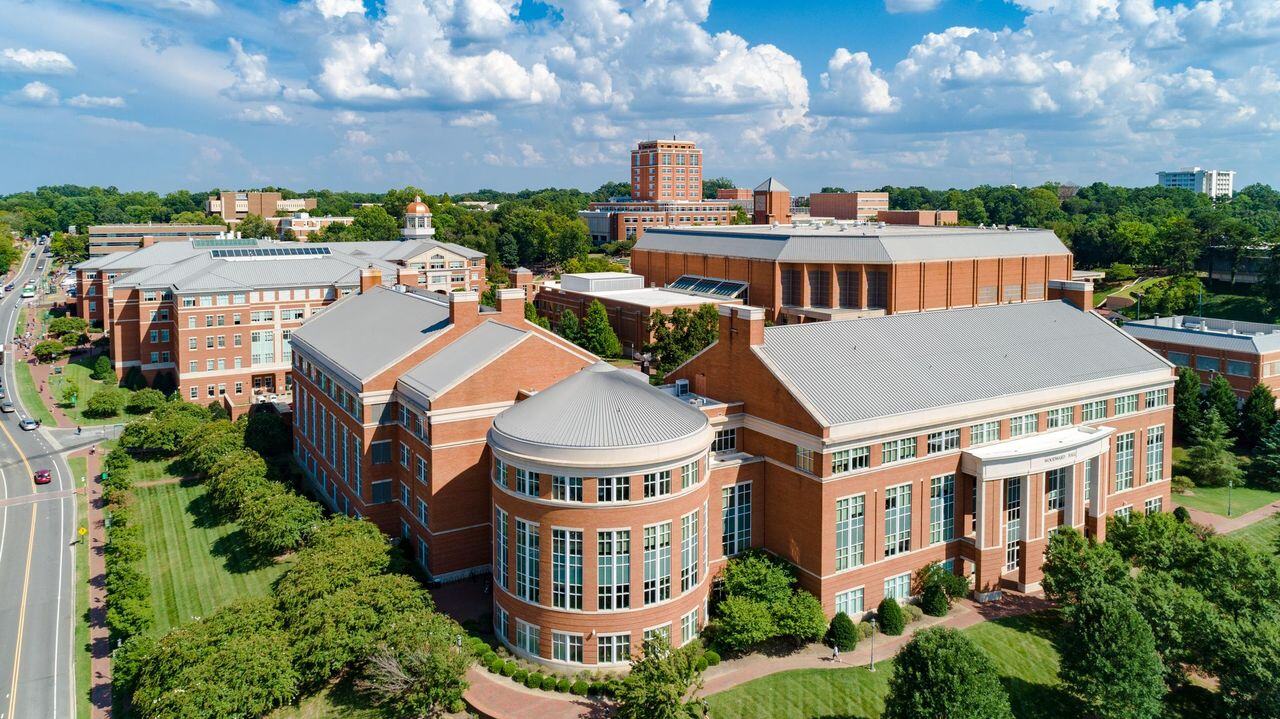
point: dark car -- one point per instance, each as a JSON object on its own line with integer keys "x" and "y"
{"x": 28, "y": 424}
{"x": 42, "y": 476}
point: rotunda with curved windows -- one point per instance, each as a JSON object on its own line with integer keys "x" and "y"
{"x": 600, "y": 513}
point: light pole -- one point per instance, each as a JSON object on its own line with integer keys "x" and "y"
{"x": 873, "y": 645}
{"x": 1231, "y": 482}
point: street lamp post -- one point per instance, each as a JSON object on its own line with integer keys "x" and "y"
{"x": 1230, "y": 483}
{"x": 873, "y": 644}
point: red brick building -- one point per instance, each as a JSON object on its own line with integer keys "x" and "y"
{"x": 848, "y": 205}
{"x": 923, "y": 218}
{"x": 1246, "y": 353}
{"x": 823, "y": 271}
{"x": 629, "y": 220}
{"x": 666, "y": 170}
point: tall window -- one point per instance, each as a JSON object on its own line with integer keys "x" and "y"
{"x": 656, "y": 484}
{"x": 942, "y": 509}
{"x": 500, "y": 547}
{"x": 819, "y": 288}
{"x": 527, "y": 560}
{"x": 566, "y": 568}
{"x": 499, "y": 472}
{"x": 657, "y": 563}
{"x": 736, "y": 511}
{"x": 850, "y": 528}
{"x": 689, "y": 627}
{"x": 688, "y": 475}
{"x": 689, "y": 551}
{"x": 421, "y": 471}
{"x": 566, "y": 647}
{"x": 1124, "y": 461}
{"x": 566, "y": 489}
{"x": 847, "y": 460}
{"x": 850, "y": 602}
{"x": 613, "y": 489}
{"x": 804, "y": 459}
{"x": 1155, "y": 454}
{"x": 944, "y": 441}
{"x": 897, "y": 520}
{"x": 1026, "y": 424}
{"x": 527, "y": 482}
{"x": 528, "y": 637}
{"x": 613, "y": 562}
{"x": 1055, "y": 488}
{"x": 898, "y": 450}
{"x": 1013, "y": 523}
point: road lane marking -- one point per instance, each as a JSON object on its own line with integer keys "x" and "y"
{"x": 22, "y": 616}
{"x": 37, "y": 498}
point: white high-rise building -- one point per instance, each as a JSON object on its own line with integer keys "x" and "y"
{"x": 1214, "y": 183}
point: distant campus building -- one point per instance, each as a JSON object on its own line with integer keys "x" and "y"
{"x": 1214, "y": 183}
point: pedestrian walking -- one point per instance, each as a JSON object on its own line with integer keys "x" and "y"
{"x": 835, "y": 652}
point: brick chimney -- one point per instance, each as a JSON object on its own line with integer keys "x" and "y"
{"x": 511, "y": 302}
{"x": 1075, "y": 292}
{"x": 741, "y": 324}
{"x": 370, "y": 277}
{"x": 148, "y": 240}
{"x": 464, "y": 309}
{"x": 407, "y": 276}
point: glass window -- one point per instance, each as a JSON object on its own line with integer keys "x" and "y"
{"x": 944, "y": 441}
{"x": 848, "y": 460}
{"x": 942, "y": 509}
{"x": 1055, "y": 488}
{"x": 1155, "y": 454}
{"x": 381, "y": 491}
{"x": 804, "y": 459}
{"x": 850, "y": 527}
{"x": 1095, "y": 410}
{"x": 1026, "y": 424}
{"x": 1153, "y": 505}
{"x": 1124, "y": 461}
{"x": 657, "y": 563}
{"x": 566, "y": 568}
{"x": 527, "y": 560}
{"x": 1123, "y": 512}
{"x": 500, "y": 548}
{"x": 897, "y": 520}
{"x": 736, "y": 513}
{"x": 612, "y": 648}
{"x": 1060, "y": 417}
{"x": 898, "y": 587}
{"x": 898, "y": 450}
{"x": 613, "y": 489}
{"x": 657, "y": 484}
{"x": 613, "y": 564}
{"x": 850, "y": 602}
{"x": 984, "y": 432}
{"x": 1126, "y": 404}
{"x": 528, "y": 637}
{"x": 566, "y": 489}
{"x": 1207, "y": 364}
{"x": 726, "y": 440}
{"x": 1157, "y": 398}
{"x": 527, "y": 482}
{"x": 566, "y": 647}
{"x": 380, "y": 452}
{"x": 499, "y": 472}
{"x": 689, "y": 555}
{"x": 689, "y": 626}
{"x": 688, "y": 475}
{"x": 1239, "y": 369}
{"x": 1182, "y": 359}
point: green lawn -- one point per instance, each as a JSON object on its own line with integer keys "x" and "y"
{"x": 1261, "y": 535}
{"x": 32, "y": 402}
{"x": 79, "y": 371}
{"x": 1020, "y": 646}
{"x": 83, "y": 654}
{"x": 1214, "y": 499}
{"x": 1246, "y": 308}
{"x": 196, "y": 564}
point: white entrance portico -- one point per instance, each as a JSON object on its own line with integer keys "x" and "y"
{"x": 1012, "y": 499}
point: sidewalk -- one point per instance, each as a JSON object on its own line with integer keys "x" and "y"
{"x": 99, "y": 637}
{"x": 501, "y": 698}
{"x": 1224, "y": 525}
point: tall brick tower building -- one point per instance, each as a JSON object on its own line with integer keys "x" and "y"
{"x": 772, "y": 203}
{"x": 666, "y": 170}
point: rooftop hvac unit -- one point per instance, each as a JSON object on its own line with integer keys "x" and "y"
{"x": 682, "y": 388}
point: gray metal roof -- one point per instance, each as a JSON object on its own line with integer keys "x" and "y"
{"x": 771, "y": 185}
{"x": 854, "y": 370}
{"x": 365, "y": 333}
{"x": 600, "y": 407}
{"x": 853, "y": 243}
{"x": 463, "y": 356}
{"x": 1209, "y": 333}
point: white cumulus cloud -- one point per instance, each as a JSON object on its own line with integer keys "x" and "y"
{"x": 40, "y": 62}
{"x": 853, "y": 87}
{"x": 35, "y": 93}
{"x": 265, "y": 115}
{"x": 89, "y": 101}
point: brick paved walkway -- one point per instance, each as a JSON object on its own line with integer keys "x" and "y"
{"x": 99, "y": 637}
{"x": 500, "y": 698}
{"x": 1223, "y": 525}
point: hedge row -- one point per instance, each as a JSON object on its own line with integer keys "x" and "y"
{"x": 128, "y": 587}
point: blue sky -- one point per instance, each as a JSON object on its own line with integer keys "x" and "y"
{"x": 453, "y": 95}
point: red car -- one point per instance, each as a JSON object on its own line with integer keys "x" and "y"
{"x": 43, "y": 476}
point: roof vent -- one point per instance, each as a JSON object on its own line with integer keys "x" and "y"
{"x": 682, "y": 387}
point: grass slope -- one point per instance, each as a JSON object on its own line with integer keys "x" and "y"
{"x": 1214, "y": 499}
{"x": 1020, "y": 646}
{"x": 196, "y": 563}
{"x": 1262, "y": 535}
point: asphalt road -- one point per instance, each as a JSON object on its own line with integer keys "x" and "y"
{"x": 37, "y": 564}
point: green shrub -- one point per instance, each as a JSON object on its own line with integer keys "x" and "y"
{"x": 106, "y": 402}
{"x": 934, "y": 601}
{"x": 912, "y": 613}
{"x": 534, "y": 680}
{"x": 701, "y": 664}
{"x": 489, "y": 657}
{"x": 47, "y": 350}
{"x": 890, "y": 616}
{"x": 509, "y": 668}
{"x": 842, "y": 634}
{"x": 144, "y": 401}
{"x": 563, "y": 684}
{"x": 712, "y": 658}
{"x": 1181, "y": 514}
{"x": 495, "y": 665}
{"x": 102, "y": 369}
{"x": 518, "y": 676}
{"x": 580, "y": 688}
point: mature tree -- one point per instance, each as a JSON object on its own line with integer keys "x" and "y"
{"x": 233, "y": 478}
{"x": 596, "y": 335}
{"x": 1187, "y": 409}
{"x": 1074, "y": 564}
{"x": 759, "y": 576}
{"x": 1180, "y": 245}
{"x": 681, "y": 335}
{"x": 254, "y": 226}
{"x": 68, "y": 248}
{"x": 338, "y": 553}
{"x": 941, "y": 673}
{"x": 1186, "y": 627}
{"x": 372, "y": 223}
{"x": 1249, "y": 679}
{"x": 569, "y": 328}
{"x": 740, "y": 217}
{"x": 70, "y": 393}
{"x": 275, "y": 521}
{"x": 238, "y": 662}
{"x": 67, "y": 328}
{"x": 134, "y": 379}
{"x": 1156, "y": 541}
{"x": 106, "y": 402}
{"x": 1257, "y": 417}
{"x": 102, "y": 369}
{"x": 144, "y": 401}
{"x": 1172, "y": 296}
{"x": 267, "y": 434}
{"x": 1209, "y": 461}
{"x": 800, "y": 618}
{"x": 1222, "y": 397}
{"x": 48, "y": 350}
{"x": 215, "y": 439}
{"x": 938, "y": 588}
{"x": 742, "y": 623}
{"x": 421, "y": 671}
{"x": 710, "y": 185}
{"x": 531, "y": 314}
{"x": 1109, "y": 662}
{"x": 1264, "y": 465}
{"x": 663, "y": 684}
